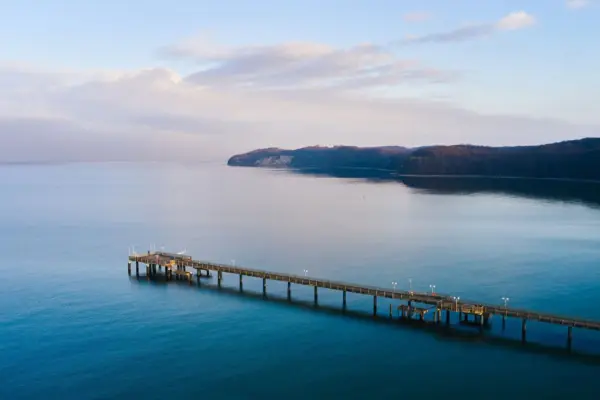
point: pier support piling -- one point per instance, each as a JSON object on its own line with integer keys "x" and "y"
{"x": 344, "y": 299}
{"x": 569, "y": 337}
{"x": 390, "y": 311}
{"x": 316, "y": 295}
{"x": 137, "y": 269}
{"x": 129, "y": 268}
{"x": 264, "y": 286}
{"x": 447, "y": 317}
{"x": 374, "y": 305}
{"x": 241, "y": 283}
{"x": 289, "y": 291}
{"x": 524, "y": 330}
{"x": 219, "y": 278}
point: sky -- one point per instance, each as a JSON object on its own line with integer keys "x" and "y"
{"x": 195, "y": 80}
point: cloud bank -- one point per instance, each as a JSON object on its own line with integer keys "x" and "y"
{"x": 240, "y": 98}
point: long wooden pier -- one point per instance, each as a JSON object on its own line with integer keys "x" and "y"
{"x": 439, "y": 303}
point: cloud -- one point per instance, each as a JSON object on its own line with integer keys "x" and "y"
{"x": 513, "y": 21}
{"x": 302, "y": 65}
{"x": 577, "y": 4}
{"x": 156, "y": 114}
{"x": 416, "y": 16}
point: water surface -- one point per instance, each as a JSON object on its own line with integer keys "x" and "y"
{"x": 74, "y": 325}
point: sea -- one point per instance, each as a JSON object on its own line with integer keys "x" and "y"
{"x": 75, "y": 325}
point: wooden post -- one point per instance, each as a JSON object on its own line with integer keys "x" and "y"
{"x": 344, "y": 298}
{"x": 374, "y": 305}
{"x": 569, "y": 337}
{"x": 219, "y": 278}
{"x": 524, "y": 330}
{"x": 316, "y": 296}
{"x": 289, "y": 291}
{"x": 137, "y": 269}
{"x": 264, "y": 286}
{"x": 241, "y": 283}
{"x": 129, "y": 268}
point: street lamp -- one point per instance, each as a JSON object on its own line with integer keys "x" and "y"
{"x": 505, "y": 299}
{"x": 456, "y": 299}
{"x": 410, "y": 284}
{"x": 305, "y": 272}
{"x": 233, "y": 262}
{"x": 432, "y": 288}
{"x": 394, "y": 285}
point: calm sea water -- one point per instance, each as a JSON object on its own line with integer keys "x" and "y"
{"x": 75, "y": 326}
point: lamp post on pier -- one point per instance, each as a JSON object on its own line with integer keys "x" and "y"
{"x": 505, "y": 299}
{"x": 394, "y": 285}
{"x": 456, "y": 299}
{"x": 432, "y": 288}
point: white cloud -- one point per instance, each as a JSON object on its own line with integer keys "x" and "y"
{"x": 513, "y": 21}
{"x": 576, "y": 4}
{"x": 302, "y": 65}
{"x": 416, "y": 16}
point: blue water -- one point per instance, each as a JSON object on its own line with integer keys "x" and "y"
{"x": 74, "y": 325}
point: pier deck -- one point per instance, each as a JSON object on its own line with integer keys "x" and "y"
{"x": 441, "y": 302}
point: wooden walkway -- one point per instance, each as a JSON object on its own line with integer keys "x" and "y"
{"x": 440, "y": 301}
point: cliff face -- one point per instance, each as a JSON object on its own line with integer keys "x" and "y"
{"x": 321, "y": 157}
{"x": 577, "y": 159}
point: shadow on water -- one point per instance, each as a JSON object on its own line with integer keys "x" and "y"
{"x": 451, "y": 332}
{"x": 579, "y": 192}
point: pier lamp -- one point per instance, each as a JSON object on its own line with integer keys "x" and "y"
{"x": 410, "y": 284}
{"x": 432, "y": 288}
{"x": 394, "y": 285}
{"x": 233, "y": 262}
{"x": 305, "y": 272}
{"x": 456, "y": 299}
{"x": 505, "y": 299}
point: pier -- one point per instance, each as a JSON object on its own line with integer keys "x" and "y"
{"x": 478, "y": 313}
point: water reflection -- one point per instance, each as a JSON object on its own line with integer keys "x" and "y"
{"x": 587, "y": 193}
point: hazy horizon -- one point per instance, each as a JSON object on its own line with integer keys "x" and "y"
{"x": 192, "y": 81}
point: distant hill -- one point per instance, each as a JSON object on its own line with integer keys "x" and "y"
{"x": 574, "y": 159}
